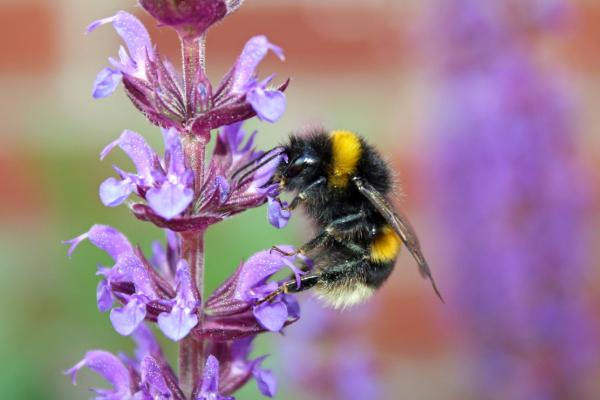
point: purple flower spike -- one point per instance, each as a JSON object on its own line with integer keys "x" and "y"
{"x": 210, "y": 381}
{"x": 178, "y": 323}
{"x": 110, "y": 368}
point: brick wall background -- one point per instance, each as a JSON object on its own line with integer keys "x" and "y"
{"x": 355, "y": 64}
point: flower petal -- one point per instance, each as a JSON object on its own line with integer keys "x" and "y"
{"x": 106, "y": 82}
{"x": 109, "y": 367}
{"x": 178, "y": 323}
{"x": 174, "y": 148}
{"x": 138, "y": 150}
{"x": 126, "y": 319}
{"x": 271, "y": 316}
{"x": 114, "y": 192}
{"x": 210, "y": 381}
{"x": 169, "y": 200}
{"x": 105, "y": 238}
{"x": 254, "y": 51}
{"x": 223, "y": 187}
{"x": 293, "y": 307}
{"x": 151, "y": 375}
{"x": 131, "y": 30}
{"x": 104, "y": 296}
{"x": 266, "y": 382}
{"x": 268, "y": 104}
{"x": 146, "y": 343}
{"x": 256, "y": 270}
{"x": 276, "y": 214}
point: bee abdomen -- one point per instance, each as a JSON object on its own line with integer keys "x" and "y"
{"x": 385, "y": 247}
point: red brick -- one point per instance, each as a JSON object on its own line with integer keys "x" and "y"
{"x": 363, "y": 40}
{"x": 28, "y": 38}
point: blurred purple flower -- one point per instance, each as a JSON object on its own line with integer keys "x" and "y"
{"x": 336, "y": 362}
{"x": 156, "y": 88}
{"x": 514, "y": 201}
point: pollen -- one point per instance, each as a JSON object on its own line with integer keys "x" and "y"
{"x": 346, "y": 153}
{"x": 386, "y": 246}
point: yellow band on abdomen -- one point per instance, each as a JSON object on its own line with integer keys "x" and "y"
{"x": 386, "y": 246}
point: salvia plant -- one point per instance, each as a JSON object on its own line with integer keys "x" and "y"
{"x": 513, "y": 199}
{"x": 183, "y": 192}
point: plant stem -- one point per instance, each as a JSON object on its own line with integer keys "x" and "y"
{"x": 193, "y": 57}
{"x": 191, "y": 357}
{"x": 191, "y": 351}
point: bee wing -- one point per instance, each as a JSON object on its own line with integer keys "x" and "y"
{"x": 400, "y": 225}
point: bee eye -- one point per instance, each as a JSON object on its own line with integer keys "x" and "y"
{"x": 295, "y": 167}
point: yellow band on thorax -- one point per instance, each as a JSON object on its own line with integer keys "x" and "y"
{"x": 346, "y": 152}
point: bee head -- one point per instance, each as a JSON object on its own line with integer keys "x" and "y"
{"x": 302, "y": 165}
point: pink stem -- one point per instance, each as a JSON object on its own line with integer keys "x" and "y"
{"x": 191, "y": 351}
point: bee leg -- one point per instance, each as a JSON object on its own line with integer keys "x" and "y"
{"x": 304, "y": 194}
{"x": 335, "y": 229}
{"x": 291, "y": 286}
{"x": 319, "y": 240}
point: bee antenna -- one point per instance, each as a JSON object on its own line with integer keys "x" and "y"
{"x": 257, "y": 159}
{"x": 262, "y": 163}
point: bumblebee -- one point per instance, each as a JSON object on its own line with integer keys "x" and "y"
{"x": 343, "y": 184}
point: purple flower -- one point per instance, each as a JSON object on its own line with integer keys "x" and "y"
{"x": 277, "y": 213}
{"x": 237, "y": 369}
{"x": 165, "y": 184}
{"x": 221, "y": 196}
{"x": 233, "y": 310}
{"x": 156, "y": 88}
{"x": 147, "y": 377}
{"x": 144, "y": 293}
{"x": 178, "y": 323}
{"x": 210, "y": 381}
{"x": 241, "y": 93}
